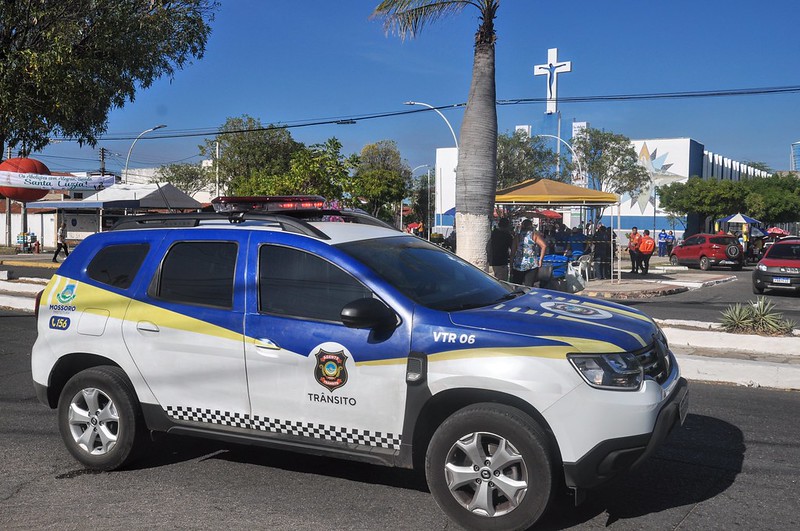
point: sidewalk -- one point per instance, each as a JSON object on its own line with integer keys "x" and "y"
{"x": 703, "y": 350}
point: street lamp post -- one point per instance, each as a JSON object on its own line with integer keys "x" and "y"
{"x": 574, "y": 155}
{"x": 401, "y": 201}
{"x": 128, "y": 158}
{"x": 440, "y": 114}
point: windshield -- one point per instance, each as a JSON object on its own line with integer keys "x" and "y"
{"x": 427, "y": 274}
{"x": 786, "y": 251}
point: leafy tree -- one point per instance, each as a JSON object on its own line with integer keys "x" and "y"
{"x": 774, "y": 199}
{"x": 381, "y": 178}
{"x": 64, "y": 64}
{"x": 423, "y": 199}
{"x": 476, "y": 179}
{"x": 521, "y": 157}
{"x": 250, "y": 151}
{"x": 318, "y": 170}
{"x": 610, "y": 162}
{"x": 707, "y": 197}
{"x": 189, "y": 178}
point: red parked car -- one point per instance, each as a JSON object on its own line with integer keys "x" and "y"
{"x": 780, "y": 267}
{"x": 707, "y": 250}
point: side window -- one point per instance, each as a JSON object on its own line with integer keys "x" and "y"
{"x": 299, "y": 284}
{"x": 117, "y": 265}
{"x": 198, "y": 273}
{"x": 691, "y": 241}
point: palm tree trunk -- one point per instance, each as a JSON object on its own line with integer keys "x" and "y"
{"x": 476, "y": 174}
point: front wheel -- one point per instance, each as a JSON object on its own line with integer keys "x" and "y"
{"x": 757, "y": 290}
{"x": 489, "y": 466}
{"x": 99, "y": 418}
{"x": 705, "y": 263}
{"x": 674, "y": 260}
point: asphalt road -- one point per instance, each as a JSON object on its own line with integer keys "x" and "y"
{"x": 734, "y": 464}
{"x": 707, "y": 304}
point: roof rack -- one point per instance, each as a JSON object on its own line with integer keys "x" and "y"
{"x": 296, "y": 221}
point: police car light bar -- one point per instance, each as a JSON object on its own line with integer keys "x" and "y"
{"x": 263, "y": 203}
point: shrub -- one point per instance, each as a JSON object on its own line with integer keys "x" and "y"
{"x": 757, "y": 317}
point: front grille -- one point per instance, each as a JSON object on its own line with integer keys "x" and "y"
{"x": 656, "y": 361}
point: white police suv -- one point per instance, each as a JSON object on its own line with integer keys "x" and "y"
{"x": 327, "y": 332}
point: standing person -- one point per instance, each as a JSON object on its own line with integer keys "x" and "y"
{"x": 646, "y": 247}
{"x": 633, "y": 249}
{"x": 602, "y": 253}
{"x": 528, "y": 251}
{"x": 662, "y": 243}
{"x": 62, "y": 241}
{"x": 500, "y": 243}
{"x": 670, "y": 242}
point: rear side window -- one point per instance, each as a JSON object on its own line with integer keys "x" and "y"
{"x": 117, "y": 265}
{"x": 299, "y": 284}
{"x": 724, "y": 240}
{"x": 199, "y": 273}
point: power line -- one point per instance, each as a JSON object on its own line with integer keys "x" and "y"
{"x": 351, "y": 119}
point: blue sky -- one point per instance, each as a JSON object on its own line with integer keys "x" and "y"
{"x": 285, "y": 62}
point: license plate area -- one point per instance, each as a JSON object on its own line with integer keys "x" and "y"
{"x": 781, "y": 280}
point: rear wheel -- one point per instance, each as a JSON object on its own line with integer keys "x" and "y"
{"x": 489, "y": 466}
{"x": 100, "y": 419}
{"x": 705, "y": 263}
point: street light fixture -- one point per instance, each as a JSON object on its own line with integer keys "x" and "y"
{"x": 128, "y": 158}
{"x": 574, "y": 155}
{"x": 439, "y": 113}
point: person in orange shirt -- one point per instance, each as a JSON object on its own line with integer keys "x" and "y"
{"x": 633, "y": 249}
{"x": 646, "y": 247}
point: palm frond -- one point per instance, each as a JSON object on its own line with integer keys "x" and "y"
{"x": 407, "y": 18}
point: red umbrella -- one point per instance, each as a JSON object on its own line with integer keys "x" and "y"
{"x": 777, "y": 231}
{"x": 551, "y": 214}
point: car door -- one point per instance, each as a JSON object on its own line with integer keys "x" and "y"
{"x": 184, "y": 331}
{"x": 686, "y": 252}
{"x": 309, "y": 375}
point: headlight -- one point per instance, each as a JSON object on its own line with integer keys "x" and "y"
{"x": 761, "y": 267}
{"x": 619, "y": 372}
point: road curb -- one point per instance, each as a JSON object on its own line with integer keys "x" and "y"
{"x": 740, "y": 372}
{"x": 45, "y": 264}
{"x": 663, "y": 289}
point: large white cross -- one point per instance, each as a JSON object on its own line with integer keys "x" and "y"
{"x": 551, "y": 70}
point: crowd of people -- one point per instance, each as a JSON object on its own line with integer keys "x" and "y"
{"x": 518, "y": 255}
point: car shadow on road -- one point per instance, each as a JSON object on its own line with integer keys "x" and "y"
{"x": 698, "y": 462}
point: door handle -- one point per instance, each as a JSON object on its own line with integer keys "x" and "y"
{"x": 268, "y": 344}
{"x": 147, "y": 326}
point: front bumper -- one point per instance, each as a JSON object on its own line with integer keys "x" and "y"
{"x": 776, "y": 280}
{"x": 613, "y": 456}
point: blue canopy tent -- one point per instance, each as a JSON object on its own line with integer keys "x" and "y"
{"x": 739, "y": 218}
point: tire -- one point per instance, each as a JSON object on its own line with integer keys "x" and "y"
{"x": 113, "y": 434}
{"x": 733, "y": 251}
{"x": 705, "y": 263}
{"x": 737, "y": 267}
{"x": 516, "y": 494}
{"x": 757, "y": 290}
{"x": 674, "y": 260}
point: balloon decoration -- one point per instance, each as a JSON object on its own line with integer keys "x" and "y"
{"x": 19, "y": 165}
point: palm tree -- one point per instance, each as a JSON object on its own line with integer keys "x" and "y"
{"x": 476, "y": 174}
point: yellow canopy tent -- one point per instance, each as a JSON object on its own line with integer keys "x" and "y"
{"x": 553, "y": 193}
{"x": 546, "y": 192}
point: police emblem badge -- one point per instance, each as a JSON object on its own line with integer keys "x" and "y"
{"x": 330, "y": 371}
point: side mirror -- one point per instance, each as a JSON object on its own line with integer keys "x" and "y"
{"x": 368, "y": 313}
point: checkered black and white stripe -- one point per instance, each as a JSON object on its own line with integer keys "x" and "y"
{"x": 288, "y": 427}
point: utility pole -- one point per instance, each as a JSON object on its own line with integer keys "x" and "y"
{"x": 216, "y": 167}
{"x": 102, "y": 161}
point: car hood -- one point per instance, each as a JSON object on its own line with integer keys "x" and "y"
{"x": 589, "y": 325}
{"x": 780, "y": 262}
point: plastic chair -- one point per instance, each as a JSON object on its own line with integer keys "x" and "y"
{"x": 584, "y": 265}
